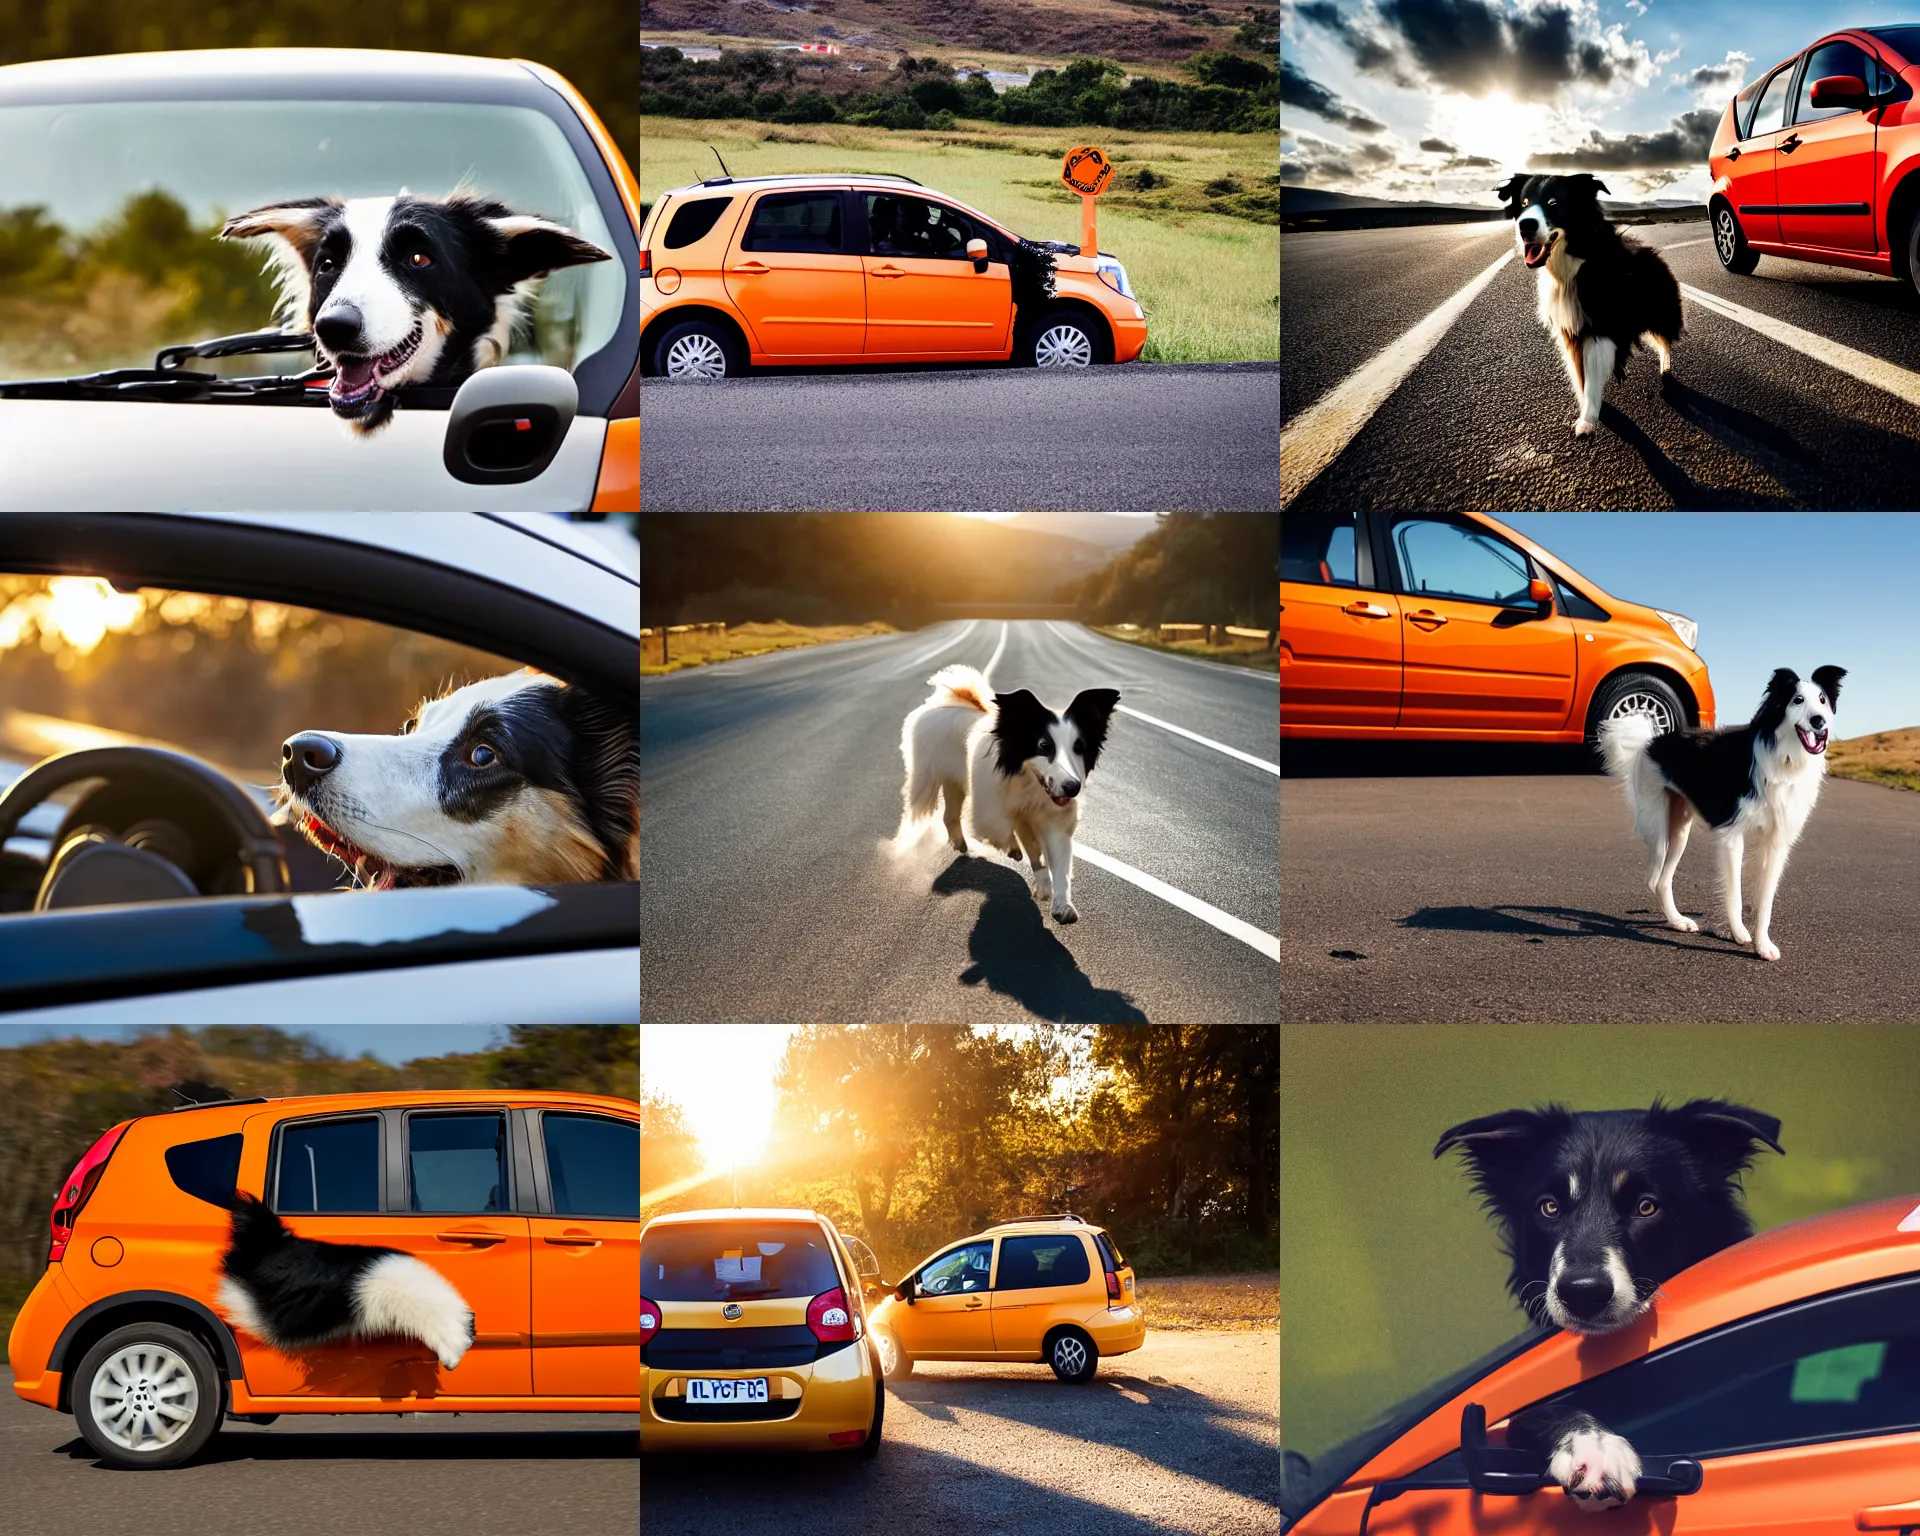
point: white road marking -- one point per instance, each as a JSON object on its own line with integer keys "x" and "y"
{"x": 1681, "y": 245}
{"x": 939, "y": 650}
{"x": 997, "y": 650}
{"x": 1205, "y": 741}
{"x": 1320, "y": 434}
{"x": 1901, "y": 383}
{"x": 1217, "y": 668}
{"x": 1226, "y": 922}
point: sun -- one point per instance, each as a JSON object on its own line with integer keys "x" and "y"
{"x": 83, "y": 608}
{"x": 721, "y": 1076}
{"x": 1494, "y": 126}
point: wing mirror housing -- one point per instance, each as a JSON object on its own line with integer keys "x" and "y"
{"x": 977, "y": 251}
{"x": 907, "y": 1289}
{"x": 507, "y": 423}
{"x": 1848, "y": 91}
{"x": 1540, "y": 592}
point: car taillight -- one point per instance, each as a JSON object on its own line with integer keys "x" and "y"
{"x": 646, "y": 264}
{"x": 76, "y": 1187}
{"x": 831, "y": 1319}
{"x": 649, "y": 1320}
{"x": 1113, "y": 1286}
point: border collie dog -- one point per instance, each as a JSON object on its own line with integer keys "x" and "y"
{"x": 1016, "y": 765}
{"x": 405, "y": 290}
{"x": 1599, "y": 292}
{"x": 294, "y": 1293}
{"x": 1761, "y": 778}
{"x": 518, "y": 779}
{"x": 1597, "y": 1210}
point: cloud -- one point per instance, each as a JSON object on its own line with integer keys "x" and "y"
{"x": 1638, "y": 7}
{"x": 1370, "y": 55}
{"x": 1470, "y": 163}
{"x": 1718, "y": 79}
{"x": 1308, "y": 95}
{"x": 1684, "y": 142}
{"x": 1308, "y": 159}
{"x": 1439, "y": 147}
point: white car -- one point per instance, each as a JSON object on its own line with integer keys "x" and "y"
{"x": 530, "y": 587}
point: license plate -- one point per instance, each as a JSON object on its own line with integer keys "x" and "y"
{"x": 710, "y": 1390}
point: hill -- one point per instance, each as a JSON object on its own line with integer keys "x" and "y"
{"x": 1886, "y": 757}
{"x": 1311, "y": 208}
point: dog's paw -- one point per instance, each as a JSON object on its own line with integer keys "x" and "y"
{"x": 1065, "y": 914}
{"x": 1741, "y": 934}
{"x": 1766, "y": 949}
{"x": 1598, "y": 1470}
{"x": 1582, "y": 427}
{"x": 1042, "y": 885}
{"x": 957, "y": 844}
{"x": 1683, "y": 924}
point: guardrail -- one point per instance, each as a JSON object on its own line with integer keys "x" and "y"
{"x": 1214, "y": 634}
{"x": 677, "y": 629}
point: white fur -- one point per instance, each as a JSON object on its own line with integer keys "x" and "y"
{"x": 237, "y": 1302}
{"x": 400, "y": 1294}
{"x": 1623, "y": 1309}
{"x": 1587, "y": 1461}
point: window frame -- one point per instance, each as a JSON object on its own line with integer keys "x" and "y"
{"x": 399, "y": 1189}
{"x": 1804, "y": 82}
{"x": 382, "y": 1169}
{"x": 760, "y": 200}
{"x": 993, "y": 1268}
{"x": 864, "y": 228}
{"x": 1095, "y": 1264}
{"x": 1398, "y": 576}
{"x": 1366, "y": 564}
{"x": 531, "y": 1124}
{"x": 1792, "y": 69}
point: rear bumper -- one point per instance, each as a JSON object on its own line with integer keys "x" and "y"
{"x": 835, "y": 1397}
{"x": 47, "y": 1311}
{"x": 1118, "y": 1330}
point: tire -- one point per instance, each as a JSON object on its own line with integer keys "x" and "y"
{"x": 1635, "y": 693}
{"x": 870, "y": 1447}
{"x": 1073, "y": 1356}
{"x": 128, "y": 1377}
{"x": 1913, "y": 253}
{"x": 698, "y": 349}
{"x": 1730, "y": 242}
{"x": 1063, "y": 338}
{"x": 895, "y": 1365}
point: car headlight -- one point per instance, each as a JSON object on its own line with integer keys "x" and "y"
{"x": 1113, "y": 275}
{"x": 1684, "y": 627}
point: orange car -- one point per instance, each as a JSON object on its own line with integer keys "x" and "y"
{"x": 528, "y": 1202}
{"x": 784, "y": 270}
{"x": 1772, "y": 1390}
{"x": 1441, "y": 625}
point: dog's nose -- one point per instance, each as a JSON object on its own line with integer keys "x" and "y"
{"x": 1585, "y": 1295}
{"x": 1070, "y": 788}
{"x": 339, "y": 326}
{"x": 307, "y": 758}
{"x": 1528, "y": 229}
{"x": 1818, "y": 722}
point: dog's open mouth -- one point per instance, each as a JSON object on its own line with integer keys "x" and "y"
{"x": 1061, "y": 800}
{"x": 370, "y": 871}
{"x": 359, "y": 381}
{"x": 1535, "y": 252}
{"x": 1814, "y": 741}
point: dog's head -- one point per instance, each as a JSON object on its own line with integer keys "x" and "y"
{"x": 1059, "y": 751}
{"x": 1548, "y": 210}
{"x": 520, "y": 779}
{"x": 1598, "y": 1209}
{"x": 404, "y": 290}
{"x": 1797, "y": 713}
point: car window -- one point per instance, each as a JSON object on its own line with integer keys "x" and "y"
{"x": 1829, "y": 59}
{"x": 693, "y": 221}
{"x": 1323, "y": 548}
{"x": 593, "y": 1165}
{"x": 964, "y": 1269}
{"x": 1835, "y": 1368}
{"x": 1577, "y": 605}
{"x": 126, "y": 197}
{"x": 329, "y": 1166}
{"x": 207, "y": 1169}
{"x": 742, "y": 1260}
{"x": 1109, "y": 1251}
{"x": 1032, "y": 1263}
{"x": 457, "y": 1163}
{"x": 1439, "y": 559}
{"x": 916, "y": 226}
{"x": 1770, "y": 112}
{"x": 799, "y": 222}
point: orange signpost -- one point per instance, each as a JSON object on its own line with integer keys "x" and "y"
{"x": 1088, "y": 171}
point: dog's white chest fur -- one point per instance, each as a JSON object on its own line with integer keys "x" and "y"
{"x": 1559, "y": 300}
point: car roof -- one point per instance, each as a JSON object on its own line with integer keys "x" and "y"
{"x": 827, "y": 180}
{"x": 1806, "y": 1258}
{"x": 191, "y": 72}
{"x": 1064, "y": 1224}
{"x": 735, "y": 1213}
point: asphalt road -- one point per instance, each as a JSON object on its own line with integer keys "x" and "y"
{"x": 1485, "y": 420}
{"x": 1180, "y": 1436}
{"x": 1522, "y": 899}
{"x": 1139, "y": 438}
{"x": 506, "y": 1474}
{"x": 771, "y": 790}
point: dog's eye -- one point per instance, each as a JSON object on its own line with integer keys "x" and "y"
{"x": 1648, "y": 1206}
{"x": 1549, "y": 1206}
{"x": 480, "y": 755}
{"x": 1799, "y": 698}
{"x": 419, "y": 259}
{"x": 1553, "y": 202}
{"x": 324, "y": 264}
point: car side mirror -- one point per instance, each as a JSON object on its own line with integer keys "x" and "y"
{"x": 1848, "y": 91}
{"x": 1511, "y": 1473}
{"x": 977, "y": 254}
{"x": 507, "y": 423}
{"x": 1540, "y": 592}
{"x": 906, "y": 1290}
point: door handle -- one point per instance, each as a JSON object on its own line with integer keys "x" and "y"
{"x": 1364, "y": 610}
{"x": 1790, "y": 143}
{"x": 751, "y": 269}
{"x": 571, "y": 1239}
{"x": 973, "y": 1306}
{"x": 1734, "y": 153}
{"x": 1427, "y": 619}
{"x": 477, "y": 1239}
{"x": 1904, "y": 1518}
{"x": 889, "y": 271}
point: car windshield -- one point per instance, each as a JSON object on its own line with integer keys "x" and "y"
{"x": 1304, "y": 1483}
{"x": 736, "y": 1261}
{"x": 109, "y": 211}
{"x": 1904, "y": 41}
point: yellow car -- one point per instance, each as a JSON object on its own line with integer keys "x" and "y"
{"x": 753, "y": 1336}
{"x": 1051, "y": 1288}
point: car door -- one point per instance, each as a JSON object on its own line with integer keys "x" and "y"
{"x": 1478, "y": 654}
{"x": 586, "y": 1256}
{"x": 794, "y": 279}
{"x": 1752, "y": 161}
{"x": 433, "y": 1184}
{"x": 1037, "y": 1282}
{"x": 924, "y": 297}
{"x": 1340, "y": 642}
{"x": 1824, "y": 166}
{"x": 950, "y": 1314}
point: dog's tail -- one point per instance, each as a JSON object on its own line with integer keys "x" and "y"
{"x": 963, "y": 686}
{"x": 1624, "y": 741}
{"x": 256, "y": 1233}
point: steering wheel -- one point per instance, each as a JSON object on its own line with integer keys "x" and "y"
{"x": 92, "y": 865}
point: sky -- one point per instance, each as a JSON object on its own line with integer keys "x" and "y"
{"x": 1444, "y": 99}
{"x": 1768, "y": 589}
{"x": 395, "y": 1043}
{"x": 721, "y": 1076}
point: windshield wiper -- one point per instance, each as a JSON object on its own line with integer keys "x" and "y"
{"x": 168, "y": 380}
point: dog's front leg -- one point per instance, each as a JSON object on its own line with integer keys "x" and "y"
{"x": 1570, "y": 355}
{"x": 1030, "y": 844}
{"x": 1596, "y": 364}
{"x": 1597, "y": 1468}
{"x": 1059, "y": 845}
{"x": 1773, "y": 861}
{"x": 1733, "y": 854}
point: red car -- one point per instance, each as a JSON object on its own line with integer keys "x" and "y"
{"x": 1819, "y": 158}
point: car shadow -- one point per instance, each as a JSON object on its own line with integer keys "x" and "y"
{"x": 257, "y": 1443}
{"x": 1538, "y": 924}
{"x": 1015, "y": 955}
{"x": 1313, "y": 759}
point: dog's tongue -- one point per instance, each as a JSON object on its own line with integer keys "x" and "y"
{"x": 352, "y": 376}
{"x": 1536, "y": 253}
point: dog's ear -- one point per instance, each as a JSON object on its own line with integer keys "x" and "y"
{"x": 1018, "y": 719}
{"x": 1827, "y": 680}
{"x": 606, "y": 768}
{"x": 1509, "y": 191}
{"x": 1593, "y": 182}
{"x": 1773, "y": 707}
{"x": 1725, "y": 1138}
{"x": 1092, "y": 710}
{"x": 535, "y": 247}
{"x": 298, "y": 222}
{"x": 1498, "y": 1147}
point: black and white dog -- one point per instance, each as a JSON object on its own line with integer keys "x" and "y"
{"x": 294, "y": 1293}
{"x": 519, "y": 779}
{"x": 1599, "y": 292}
{"x": 405, "y": 290}
{"x": 1761, "y": 778}
{"x": 1013, "y": 764}
{"x": 1597, "y": 1210}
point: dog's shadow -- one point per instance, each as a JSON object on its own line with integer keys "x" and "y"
{"x": 1538, "y": 924}
{"x": 1016, "y": 955}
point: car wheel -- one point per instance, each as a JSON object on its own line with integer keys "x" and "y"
{"x": 895, "y": 1364}
{"x": 1730, "y": 242}
{"x": 147, "y": 1395}
{"x": 698, "y": 349}
{"x": 1073, "y": 1356}
{"x": 870, "y": 1447}
{"x": 1062, "y": 338}
{"x": 1635, "y": 693}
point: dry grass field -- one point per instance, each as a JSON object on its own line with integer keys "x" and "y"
{"x": 1240, "y": 654}
{"x": 1249, "y": 1303}
{"x": 1889, "y": 757}
{"x": 696, "y": 647}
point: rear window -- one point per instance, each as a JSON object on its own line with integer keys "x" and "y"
{"x": 736, "y": 1261}
{"x": 1109, "y": 1253}
{"x": 1034, "y": 1263}
{"x": 331, "y": 1165}
{"x": 207, "y": 1170}
{"x": 693, "y": 221}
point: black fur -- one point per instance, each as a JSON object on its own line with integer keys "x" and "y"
{"x": 303, "y": 1287}
{"x": 1020, "y": 720}
{"x": 1092, "y": 711}
{"x": 1717, "y": 770}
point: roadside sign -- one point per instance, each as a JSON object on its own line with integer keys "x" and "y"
{"x": 1086, "y": 170}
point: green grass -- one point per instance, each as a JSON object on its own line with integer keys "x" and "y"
{"x": 694, "y": 650}
{"x": 1203, "y": 265}
{"x": 1230, "y": 655}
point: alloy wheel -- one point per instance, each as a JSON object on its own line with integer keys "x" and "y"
{"x": 1726, "y": 237}
{"x": 1063, "y": 346}
{"x": 696, "y": 357}
{"x": 1648, "y": 704}
{"x": 1070, "y": 1355}
{"x": 144, "y": 1398}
